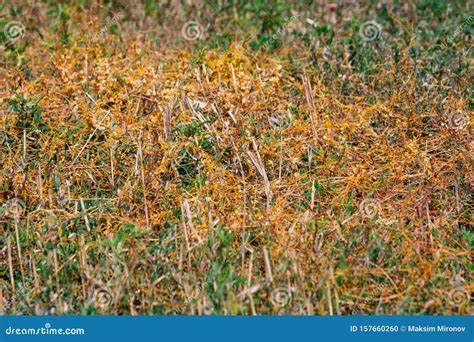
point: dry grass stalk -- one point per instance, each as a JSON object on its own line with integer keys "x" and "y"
{"x": 308, "y": 94}
{"x": 257, "y": 161}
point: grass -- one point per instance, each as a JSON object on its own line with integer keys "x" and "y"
{"x": 278, "y": 158}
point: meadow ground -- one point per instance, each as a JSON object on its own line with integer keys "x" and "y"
{"x": 236, "y": 157}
